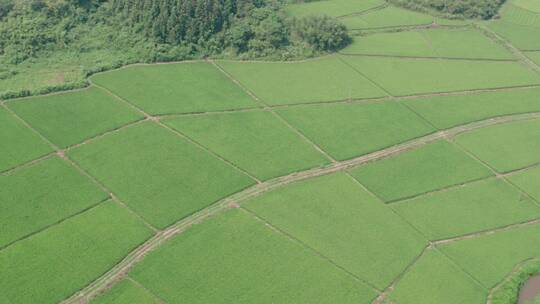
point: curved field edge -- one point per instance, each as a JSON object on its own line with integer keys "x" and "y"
{"x": 86, "y": 82}
{"x": 114, "y": 275}
{"x": 507, "y": 291}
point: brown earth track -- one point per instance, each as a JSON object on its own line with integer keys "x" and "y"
{"x": 121, "y": 269}
{"x": 118, "y": 272}
{"x": 526, "y": 61}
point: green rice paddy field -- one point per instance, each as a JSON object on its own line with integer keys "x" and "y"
{"x": 404, "y": 169}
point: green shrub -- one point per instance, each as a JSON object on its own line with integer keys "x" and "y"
{"x": 322, "y": 32}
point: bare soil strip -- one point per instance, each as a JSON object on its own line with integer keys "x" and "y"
{"x": 118, "y": 272}
{"x": 393, "y": 28}
{"x": 517, "y": 52}
{"x": 535, "y": 67}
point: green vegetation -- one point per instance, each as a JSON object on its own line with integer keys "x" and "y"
{"x": 385, "y": 18}
{"x": 449, "y": 111}
{"x": 70, "y": 118}
{"x": 505, "y": 147}
{"x": 333, "y": 8}
{"x": 394, "y": 74}
{"x": 436, "y": 279}
{"x": 19, "y": 144}
{"x": 49, "y": 46}
{"x": 255, "y": 141}
{"x": 522, "y": 37}
{"x": 336, "y": 217}
{"x": 286, "y": 83}
{"x": 531, "y": 5}
{"x": 176, "y": 88}
{"x": 322, "y": 33}
{"x": 247, "y": 169}
{"x": 445, "y": 43}
{"x": 528, "y": 181}
{"x": 534, "y": 56}
{"x": 509, "y": 290}
{"x": 482, "y": 9}
{"x": 520, "y": 16}
{"x": 348, "y": 130}
{"x": 431, "y": 167}
{"x": 127, "y": 292}
{"x": 236, "y": 258}
{"x": 58, "y": 191}
{"x": 80, "y": 249}
{"x": 474, "y": 207}
{"x": 162, "y": 176}
{"x": 489, "y": 258}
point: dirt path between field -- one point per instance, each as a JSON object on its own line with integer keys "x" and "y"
{"x": 121, "y": 269}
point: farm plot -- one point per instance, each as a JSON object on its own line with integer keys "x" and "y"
{"x": 325, "y": 79}
{"x": 235, "y": 258}
{"x": 257, "y": 142}
{"x": 19, "y": 143}
{"x": 478, "y": 206}
{"x": 175, "y": 88}
{"x": 57, "y": 192}
{"x": 489, "y": 258}
{"x": 445, "y": 43}
{"x": 127, "y": 292}
{"x": 505, "y": 147}
{"x": 528, "y": 181}
{"x": 403, "y": 76}
{"x": 53, "y": 264}
{"x": 333, "y": 8}
{"x": 70, "y": 118}
{"x": 431, "y": 167}
{"x": 521, "y": 16}
{"x": 345, "y": 223}
{"x": 449, "y": 111}
{"x": 162, "y": 176}
{"x": 436, "y": 279}
{"x": 522, "y": 37}
{"x": 387, "y": 17}
{"x": 348, "y": 130}
{"x": 530, "y": 5}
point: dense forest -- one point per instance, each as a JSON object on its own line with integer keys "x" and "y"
{"x": 161, "y": 30}
{"x": 50, "y": 45}
{"x": 482, "y": 9}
